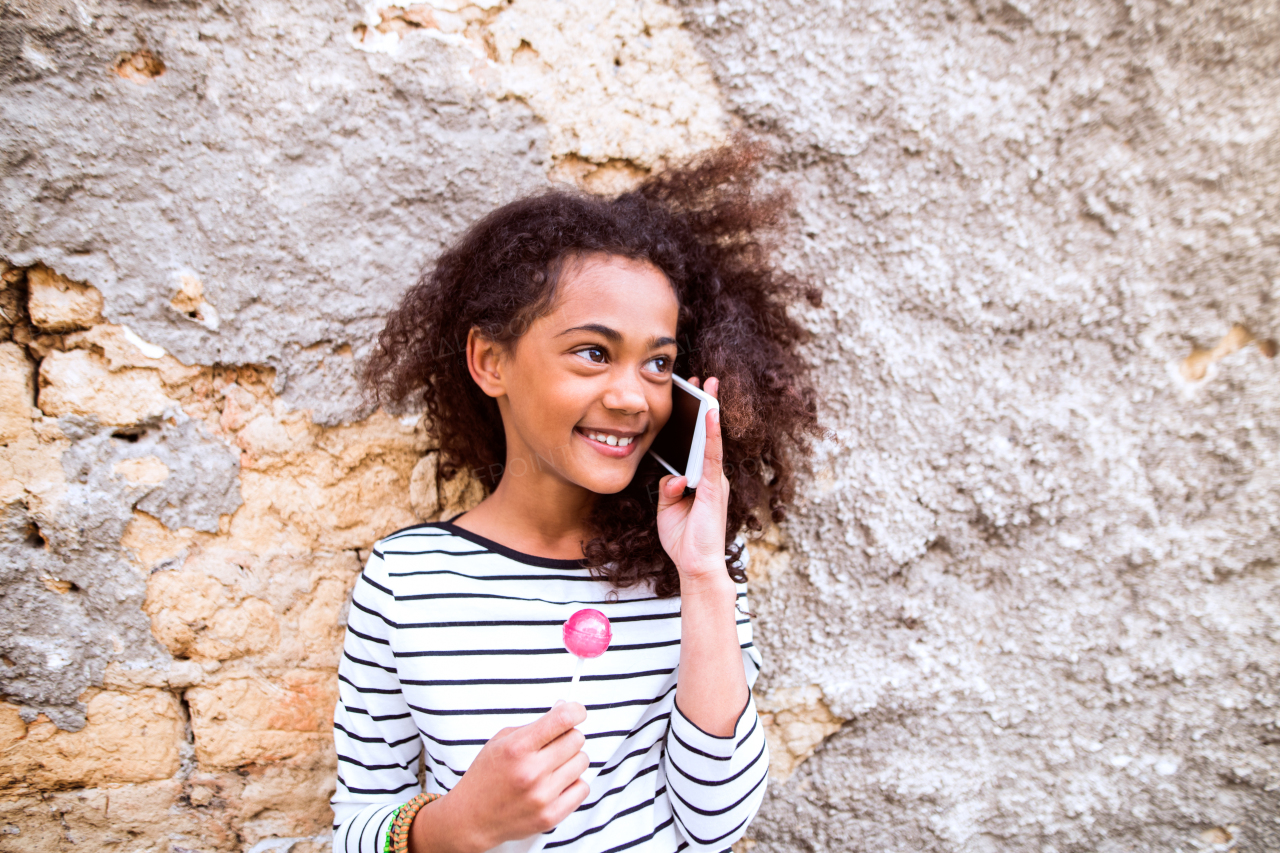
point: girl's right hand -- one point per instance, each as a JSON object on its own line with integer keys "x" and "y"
{"x": 524, "y": 781}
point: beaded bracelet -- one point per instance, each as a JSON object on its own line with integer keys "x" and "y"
{"x": 401, "y": 819}
{"x": 386, "y": 837}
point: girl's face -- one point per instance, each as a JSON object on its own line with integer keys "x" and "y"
{"x": 584, "y": 391}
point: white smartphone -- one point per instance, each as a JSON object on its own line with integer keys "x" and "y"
{"x": 681, "y": 445}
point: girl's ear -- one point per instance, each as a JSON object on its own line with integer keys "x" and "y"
{"x": 485, "y": 362}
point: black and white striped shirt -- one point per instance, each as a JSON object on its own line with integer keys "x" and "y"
{"x": 452, "y": 636}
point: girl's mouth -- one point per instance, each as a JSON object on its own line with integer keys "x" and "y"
{"x": 613, "y": 446}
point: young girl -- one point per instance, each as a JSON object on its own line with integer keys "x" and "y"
{"x": 543, "y": 345}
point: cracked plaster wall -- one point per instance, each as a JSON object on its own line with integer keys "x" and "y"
{"x": 1028, "y": 599}
{"x": 1038, "y": 571}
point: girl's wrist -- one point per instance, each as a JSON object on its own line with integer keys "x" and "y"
{"x": 438, "y": 828}
{"x": 712, "y": 582}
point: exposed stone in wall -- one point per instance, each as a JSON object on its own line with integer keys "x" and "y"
{"x": 17, "y": 391}
{"x": 247, "y": 720}
{"x": 1201, "y": 363}
{"x": 150, "y": 817}
{"x": 797, "y": 721}
{"x": 613, "y": 81}
{"x": 620, "y": 86}
{"x": 132, "y": 737}
{"x": 179, "y": 549}
{"x": 120, "y": 442}
{"x": 57, "y": 304}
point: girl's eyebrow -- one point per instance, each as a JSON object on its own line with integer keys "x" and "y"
{"x": 614, "y": 335}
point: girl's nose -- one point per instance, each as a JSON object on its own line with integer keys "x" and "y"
{"x": 626, "y": 394}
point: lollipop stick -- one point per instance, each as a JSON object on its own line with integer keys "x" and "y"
{"x": 577, "y": 670}
{"x": 573, "y": 683}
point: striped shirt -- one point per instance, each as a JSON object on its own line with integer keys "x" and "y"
{"x": 452, "y": 637}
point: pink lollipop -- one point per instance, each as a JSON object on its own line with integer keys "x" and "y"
{"x": 586, "y": 635}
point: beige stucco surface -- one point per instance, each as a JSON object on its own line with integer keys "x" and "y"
{"x": 1027, "y": 600}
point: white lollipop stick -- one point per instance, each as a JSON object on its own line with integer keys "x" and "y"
{"x": 577, "y": 671}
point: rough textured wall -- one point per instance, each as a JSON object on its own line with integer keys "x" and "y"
{"x": 1028, "y": 601}
{"x": 1038, "y": 574}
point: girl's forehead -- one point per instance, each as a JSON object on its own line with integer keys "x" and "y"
{"x": 600, "y": 285}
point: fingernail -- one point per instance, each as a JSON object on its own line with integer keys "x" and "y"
{"x": 715, "y": 415}
{"x": 559, "y": 702}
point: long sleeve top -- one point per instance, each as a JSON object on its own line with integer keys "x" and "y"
{"x": 451, "y": 637}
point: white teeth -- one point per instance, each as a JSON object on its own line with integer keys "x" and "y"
{"x": 611, "y": 440}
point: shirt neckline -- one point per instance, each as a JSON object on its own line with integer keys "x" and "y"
{"x": 503, "y": 550}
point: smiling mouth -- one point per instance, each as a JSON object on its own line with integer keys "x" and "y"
{"x": 606, "y": 438}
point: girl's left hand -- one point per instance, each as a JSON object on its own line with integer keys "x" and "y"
{"x": 692, "y": 529}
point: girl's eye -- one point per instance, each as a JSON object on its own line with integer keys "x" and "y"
{"x": 595, "y": 355}
{"x": 660, "y": 364}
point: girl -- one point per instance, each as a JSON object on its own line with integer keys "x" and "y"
{"x": 543, "y": 345}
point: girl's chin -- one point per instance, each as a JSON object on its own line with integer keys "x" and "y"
{"x": 605, "y": 485}
{"x": 617, "y": 476}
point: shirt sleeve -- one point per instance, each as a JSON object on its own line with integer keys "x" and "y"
{"x": 375, "y": 737}
{"x": 716, "y": 784}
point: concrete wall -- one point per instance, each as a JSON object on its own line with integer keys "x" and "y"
{"x": 1028, "y": 601}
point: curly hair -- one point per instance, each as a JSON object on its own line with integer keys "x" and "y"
{"x": 703, "y": 225}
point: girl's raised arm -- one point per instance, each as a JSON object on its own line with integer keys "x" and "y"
{"x": 716, "y": 757}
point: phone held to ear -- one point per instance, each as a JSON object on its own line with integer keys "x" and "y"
{"x": 682, "y": 443}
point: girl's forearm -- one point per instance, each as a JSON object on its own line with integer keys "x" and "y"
{"x": 712, "y": 686}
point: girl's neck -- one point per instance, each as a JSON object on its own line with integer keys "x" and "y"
{"x": 536, "y": 514}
